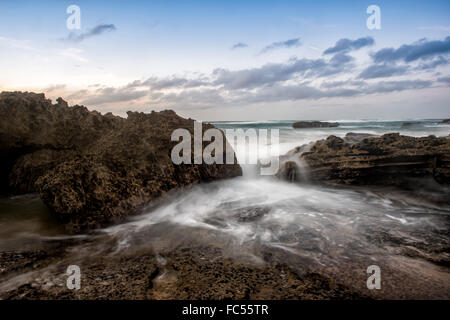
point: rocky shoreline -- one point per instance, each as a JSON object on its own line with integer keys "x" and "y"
{"x": 92, "y": 169}
{"x": 204, "y": 271}
{"x": 186, "y": 273}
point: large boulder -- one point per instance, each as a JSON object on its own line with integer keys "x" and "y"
{"x": 390, "y": 159}
{"x": 89, "y": 168}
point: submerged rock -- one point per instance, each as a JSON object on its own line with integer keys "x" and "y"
{"x": 91, "y": 169}
{"x": 314, "y": 124}
{"x": 390, "y": 159}
{"x": 251, "y": 214}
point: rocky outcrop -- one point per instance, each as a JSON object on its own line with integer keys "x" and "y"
{"x": 446, "y": 121}
{"x": 314, "y": 124}
{"x": 390, "y": 159}
{"x": 91, "y": 169}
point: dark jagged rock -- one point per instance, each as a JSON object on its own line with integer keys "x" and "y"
{"x": 446, "y": 121}
{"x": 91, "y": 169}
{"x": 390, "y": 159}
{"x": 314, "y": 124}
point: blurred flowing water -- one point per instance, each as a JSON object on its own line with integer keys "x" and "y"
{"x": 261, "y": 218}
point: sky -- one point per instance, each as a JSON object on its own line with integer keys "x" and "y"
{"x": 233, "y": 60}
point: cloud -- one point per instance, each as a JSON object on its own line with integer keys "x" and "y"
{"x": 281, "y": 44}
{"x": 444, "y": 80}
{"x": 173, "y": 82}
{"x": 55, "y": 87}
{"x": 97, "y": 30}
{"x": 314, "y": 48}
{"x": 342, "y": 83}
{"x": 440, "y": 61}
{"x": 390, "y": 86}
{"x": 74, "y": 53}
{"x": 340, "y": 58}
{"x": 247, "y": 79}
{"x": 16, "y": 44}
{"x": 422, "y": 49}
{"x": 347, "y": 45}
{"x": 218, "y": 97}
{"x": 159, "y": 84}
{"x": 268, "y": 74}
{"x": 111, "y": 95}
{"x": 293, "y": 93}
{"x": 382, "y": 71}
{"x": 199, "y": 98}
{"x": 278, "y": 93}
{"x": 291, "y": 80}
{"x": 78, "y": 95}
{"x": 239, "y": 45}
{"x": 272, "y": 73}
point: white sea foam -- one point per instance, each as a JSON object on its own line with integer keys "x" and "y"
{"x": 303, "y": 219}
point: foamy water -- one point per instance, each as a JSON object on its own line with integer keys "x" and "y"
{"x": 321, "y": 224}
{"x": 290, "y": 138}
{"x": 299, "y": 224}
{"x": 313, "y": 222}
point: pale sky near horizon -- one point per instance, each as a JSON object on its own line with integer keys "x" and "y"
{"x": 233, "y": 60}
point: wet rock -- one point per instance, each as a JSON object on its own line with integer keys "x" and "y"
{"x": 314, "y": 124}
{"x": 288, "y": 171}
{"x": 352, "y": 138}
{"x": 93, "y": 169}
{"x": 251, "y": 214}
{"x": 191, "y": 273}
{"x": 390, "y": 159}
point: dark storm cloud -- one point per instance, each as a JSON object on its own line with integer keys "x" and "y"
{"x": 347, "y": 45}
